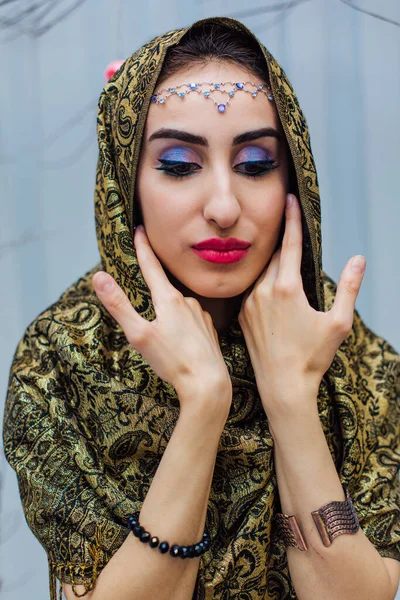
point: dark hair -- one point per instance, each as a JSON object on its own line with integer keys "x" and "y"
{"x": 214, "y": 42}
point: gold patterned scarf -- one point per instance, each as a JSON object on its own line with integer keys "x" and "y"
{"x": 87, "y": 420}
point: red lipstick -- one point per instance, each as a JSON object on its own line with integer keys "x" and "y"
{"x": 222, "y": 244}
{"x": 218, "y": 250}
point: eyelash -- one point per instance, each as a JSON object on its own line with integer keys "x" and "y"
{"x": 265, "y": 165}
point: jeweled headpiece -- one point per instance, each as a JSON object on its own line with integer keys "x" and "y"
{"x": 206, "y": 88}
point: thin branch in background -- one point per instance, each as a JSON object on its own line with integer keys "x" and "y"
{"x": 46, "y": 8}
{"x": 4, "y": 2}
{"x": 30, "y": 19}
{"x": 279, "y": 7}
{"x": 283, "y": 10}
{"x": 371, "y": 14}
{"x": 13, "y": 244}
{"x": 16, "y": 29}
{"x": 26, "y": 238}
{"x": 60, "y": 18}
{"x": 17, "y": 19}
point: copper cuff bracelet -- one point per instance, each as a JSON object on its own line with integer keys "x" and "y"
{"x": 289, "y": 530}
{"x": 335, "y": 518}
{"x": 331, "y": 520}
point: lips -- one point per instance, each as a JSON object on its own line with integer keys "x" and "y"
{"x": 222, "y": 244}
{"x": 221, "y": 256}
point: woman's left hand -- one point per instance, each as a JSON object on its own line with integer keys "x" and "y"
{"x": 290, "y": 344}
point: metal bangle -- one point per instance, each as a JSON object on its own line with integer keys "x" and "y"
{"x": 288, "y": 528}
{"x": 336, "y": 518}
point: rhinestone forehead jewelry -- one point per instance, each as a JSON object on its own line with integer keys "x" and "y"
{"x": 206, "y": 88}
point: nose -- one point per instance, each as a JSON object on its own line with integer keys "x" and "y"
{"x": 221, "y": 205}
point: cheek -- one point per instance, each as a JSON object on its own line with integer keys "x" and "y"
{"x": 269, "y": 218}
{"x": 270, "y": 206}
{"x": 165, "y": 207}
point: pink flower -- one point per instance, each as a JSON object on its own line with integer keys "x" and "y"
{"x": 112, "y": 68}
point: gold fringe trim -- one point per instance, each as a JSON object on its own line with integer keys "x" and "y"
{"x": 72, "y": 570}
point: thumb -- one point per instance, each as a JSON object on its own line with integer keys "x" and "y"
{"x": 347, "y": 290}
{"x": 118, "y": 305}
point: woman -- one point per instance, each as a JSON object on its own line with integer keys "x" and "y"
{"x": 210, "y": 386}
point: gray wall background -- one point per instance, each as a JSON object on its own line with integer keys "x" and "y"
{"x": 344, "y": 66}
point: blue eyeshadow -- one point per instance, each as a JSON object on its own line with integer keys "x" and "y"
{"x": 253, "y": 153}
{"x": 178, "y": 154}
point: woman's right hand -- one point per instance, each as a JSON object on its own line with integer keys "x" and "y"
{"x": 181, "y": 344}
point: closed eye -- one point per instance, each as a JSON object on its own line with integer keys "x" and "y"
{"x": 258, "y": 168}
{"x": 177, "y": 168}
{"x": 251, "y": 168}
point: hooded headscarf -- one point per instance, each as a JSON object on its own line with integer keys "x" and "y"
{"x": 87, "y": 420}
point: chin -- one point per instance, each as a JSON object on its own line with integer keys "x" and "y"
{"x": 222, "y": 285}
{"x": 228, "y": 289}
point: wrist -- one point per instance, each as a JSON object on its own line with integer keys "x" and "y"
{"x": 205, "y": 408}
{"x": 302, "y": 426}
{"x": 285, "y": 399}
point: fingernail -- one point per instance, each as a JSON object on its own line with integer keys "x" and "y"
{"x": 358, "y": 264}
{"x": 103, "y": 282}
{"x": 140, "y": 227}
{"x": 289, "y": 200}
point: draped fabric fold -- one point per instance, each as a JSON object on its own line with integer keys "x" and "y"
{"x": 87, "y": 420}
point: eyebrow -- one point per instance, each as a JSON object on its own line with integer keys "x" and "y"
{"x": 191, "y": 138}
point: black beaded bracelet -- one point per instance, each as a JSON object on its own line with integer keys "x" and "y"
{"x": 182, "y": 551}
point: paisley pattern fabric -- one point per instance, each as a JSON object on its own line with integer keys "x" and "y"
{"x": 87, "y": 420}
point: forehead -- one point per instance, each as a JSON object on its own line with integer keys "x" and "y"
{"x": 199, "y": 115}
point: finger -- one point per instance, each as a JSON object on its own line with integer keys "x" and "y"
{"x": 347, "y": 291}
{"x": 117, "y": 303}
{"x": 245, "y": 296}
{"x": 152, "y": 270}
{"x": 292, "y": 243}
{"x": 271, "y": 273}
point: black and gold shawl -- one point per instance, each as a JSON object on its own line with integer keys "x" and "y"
{"x": 87, "y": 420}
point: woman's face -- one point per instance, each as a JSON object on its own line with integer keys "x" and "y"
{"x": 218, "y": 195}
